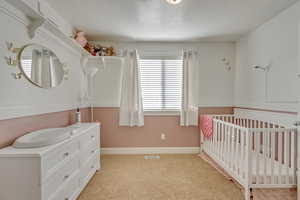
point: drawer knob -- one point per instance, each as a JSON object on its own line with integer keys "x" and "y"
{"x": 93, "y": 151}
{"x": 66, "y": 177}
{"x": 92, "y": 136}
{"x": 92, "y": 166}
{"x": 66, "y": 198}
{"x": 66, "y": 154}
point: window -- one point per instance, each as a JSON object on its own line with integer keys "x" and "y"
{"x": 161, "y": 82}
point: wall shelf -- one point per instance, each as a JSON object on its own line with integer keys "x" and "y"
{"x": 37, "y": 20}
{"x": 102, "y": 60}
{"x": 106, "y": 57}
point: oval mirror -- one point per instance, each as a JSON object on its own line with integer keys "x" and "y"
{"x": 41, "y": 66}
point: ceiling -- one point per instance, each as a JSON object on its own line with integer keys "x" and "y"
{"x": 156, "y": 20}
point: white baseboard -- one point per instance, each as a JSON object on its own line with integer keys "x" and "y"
{"x": 150, "y": 150}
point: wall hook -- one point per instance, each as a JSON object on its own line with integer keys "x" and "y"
{"x": 17, "y": 75}
{"x": 226, "y": 63}
{"x": 10, "y": 61}
{"x": 265, "y": 69}
{"x": 10, "y": 47}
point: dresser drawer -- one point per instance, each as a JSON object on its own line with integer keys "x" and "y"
{"x": 90, "y": 136}
{"x": 69, "y": 190}
{"x": 89, "y": 151}
{"x": 91, "y": 166}
{"x": 61, "y": 176}
{"x": 53, "y": 159}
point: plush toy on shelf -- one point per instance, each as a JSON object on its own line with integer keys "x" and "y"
{"x": 90, "y": 48}
{"x": 104, "y": 51}
{"x": 81, "y": 39}
{"x": 110, "y": 51}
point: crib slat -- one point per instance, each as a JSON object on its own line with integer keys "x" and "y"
{"x": 226, "y": 150}
{"x": 226, "y": 129}
{"x": 212, "y": 144}
{"x": 280, "y": 157}
{"x": 272, "y": 156}
{"x": 265, "y": 154}
{"x": 243, "y": 154}
{"x": 236, "y": 151}
{"x": 221, "y": 143}
{"x": 257, "y": 160}
{"x": 268, "y": 153}
{"x": 222, "y": 133}
{"x": 232, "y": 148}
{"x": 211, "y": 138}
{"x": 224, "y": 146}
{"x": 227, "y": 141}
{"x": 293, "y": 156}
{"x": 228, "y": 158}
{"x": 216, "y": 142}
{"x": 286, "y": 157}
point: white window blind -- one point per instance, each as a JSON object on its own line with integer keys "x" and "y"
{"x": 161, "y": 82}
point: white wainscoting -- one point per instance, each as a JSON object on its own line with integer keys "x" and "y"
{"x": 276, "y": 117}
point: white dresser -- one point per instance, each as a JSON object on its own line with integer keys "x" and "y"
{"x": 56, "y": 172}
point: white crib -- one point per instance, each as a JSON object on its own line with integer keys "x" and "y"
{"x": 256, "y": 154}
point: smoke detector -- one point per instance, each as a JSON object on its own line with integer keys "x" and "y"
{"x": 173, "y": 2}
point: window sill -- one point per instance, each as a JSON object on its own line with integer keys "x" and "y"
{"x": 162, "y": 113}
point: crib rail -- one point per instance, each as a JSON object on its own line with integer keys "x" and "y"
{"x": 225, "y": 148}
{"x": 257, "y": 154}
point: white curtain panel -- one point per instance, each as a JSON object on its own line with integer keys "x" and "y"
{"x": 131, "y": 109}
{"x": 189, "y": 106}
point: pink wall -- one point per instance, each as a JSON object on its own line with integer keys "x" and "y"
{"x": 112, "y": 135}
{"x": 14, "y": 128}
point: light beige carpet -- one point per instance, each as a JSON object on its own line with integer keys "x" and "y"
{"x": 172, "y": 177}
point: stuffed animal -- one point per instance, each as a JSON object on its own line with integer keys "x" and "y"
{"x": 81, "y": 39}
{"x": 90, "y": 48}
{"x": 110, "y": 51}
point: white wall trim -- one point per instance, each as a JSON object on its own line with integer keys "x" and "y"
{"x": 150, "y": 150}
{"x": 106, "y": 105}
{"x": 215, "y": 105}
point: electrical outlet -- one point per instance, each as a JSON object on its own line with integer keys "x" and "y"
{"x": 163, "y": 136}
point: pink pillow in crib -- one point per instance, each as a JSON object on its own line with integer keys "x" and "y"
{"x": 206, "y": 125}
